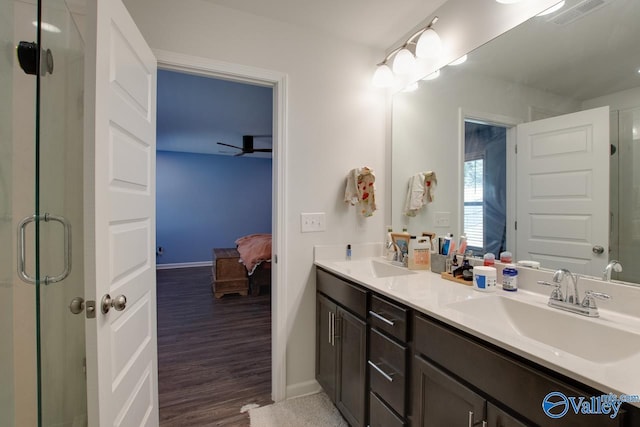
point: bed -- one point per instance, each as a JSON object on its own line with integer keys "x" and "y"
{"x": 255, "y": 254}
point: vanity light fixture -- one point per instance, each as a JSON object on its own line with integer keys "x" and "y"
{"x": 47, "y": 27}
{"x": 427, "y": 45}
{"x": 404, "y": 61}
{"x": 552, "y": 9}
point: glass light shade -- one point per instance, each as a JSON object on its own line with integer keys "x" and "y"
{"x": 404, "y": 62}
{"x": 429, "y": 44}
{"x": 383, "y": 77}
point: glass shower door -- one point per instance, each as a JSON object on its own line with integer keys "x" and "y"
{"x": 60, "y": 199}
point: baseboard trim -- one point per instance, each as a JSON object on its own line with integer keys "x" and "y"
{"x": 183, "y": 265}
{"x": 303, "y": 389}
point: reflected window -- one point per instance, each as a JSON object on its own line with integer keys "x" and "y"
{"x": 473, "y": 201}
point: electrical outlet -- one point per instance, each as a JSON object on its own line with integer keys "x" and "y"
{"x": 312, "y": 222}
{"x": 443, "y": 219}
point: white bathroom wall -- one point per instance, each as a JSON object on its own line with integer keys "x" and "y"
{"x": 622, "y": 100}
{"x": 335, "y": 122}
{"x": 426, "y": 135}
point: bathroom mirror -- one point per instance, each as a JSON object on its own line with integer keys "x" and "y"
{"x": 581, "y": 57}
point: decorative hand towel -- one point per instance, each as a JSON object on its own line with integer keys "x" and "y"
{"x": 419, "y": 192}
{"x": 360, "y": 190}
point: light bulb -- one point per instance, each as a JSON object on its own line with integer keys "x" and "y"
{"x": 552, "y": 9}
{"x": 429, "y": 44}
{"x": 383, "y": 77}
{"x": 404, "y": 62}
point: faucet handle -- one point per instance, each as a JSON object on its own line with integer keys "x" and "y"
{"x": 590, "y": 296}
{"x": 556, "y": 294}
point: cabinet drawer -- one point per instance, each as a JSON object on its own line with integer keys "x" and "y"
{"x": 503, "y": 378}
{"x": 388, "y": 317}
{"x": 380, "y": 415}
{"x": 349, "y": 296}
{"x": 387, "y": 370}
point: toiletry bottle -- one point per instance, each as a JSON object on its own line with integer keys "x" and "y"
{"x": 390, "y": 250}
{"x": 506, "y": 257}
{"x": 446, "y": 245}
{"x": 348, "y": 252}
{"x": 419, "y": 253}
{"x": 462, "y": 247}
{"x": 510, "y": 278}
{"x": 489, "y": 259}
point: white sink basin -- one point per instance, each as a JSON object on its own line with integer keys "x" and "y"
{"x": 373, "y": 268}
{"x": 590, "y": 339}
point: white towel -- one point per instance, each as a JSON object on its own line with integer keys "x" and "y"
{"x": 419, "y": 192}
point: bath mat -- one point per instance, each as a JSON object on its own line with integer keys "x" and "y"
{"x": 315, "y": 410}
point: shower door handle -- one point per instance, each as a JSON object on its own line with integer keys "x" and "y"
{"x": 22, "y": 264}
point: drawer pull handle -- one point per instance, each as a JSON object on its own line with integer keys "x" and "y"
{"x": 383, "y": 373}
{"x": 384, "y": 319}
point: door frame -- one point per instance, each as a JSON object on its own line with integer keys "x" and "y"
{"x": 278, "y": 81}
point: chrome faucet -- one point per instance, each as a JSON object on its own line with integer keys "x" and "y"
{"x": 559, "y": 276}
{"x": 614, "y": 265}
{"x": 572, "y": 303}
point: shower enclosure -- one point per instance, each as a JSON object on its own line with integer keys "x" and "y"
{"x": 42, "y": 371}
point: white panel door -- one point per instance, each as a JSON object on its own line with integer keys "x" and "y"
{"x": 563, "y": 191}
{"x": 120, "y": 205}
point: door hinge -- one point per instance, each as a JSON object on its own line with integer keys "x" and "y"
{"x": 516, "y": 225}
{"x": 516, "y": 147}
{"x": 275, "y": 258}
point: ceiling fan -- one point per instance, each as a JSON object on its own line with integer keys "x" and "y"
{"x": 247, "y": 145}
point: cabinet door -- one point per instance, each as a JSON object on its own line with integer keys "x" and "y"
{"x": 442, "y": 401}
{"x": 496, "y": 417}
{"x": 326, "y": 355}
{"x": 352, "y": 357}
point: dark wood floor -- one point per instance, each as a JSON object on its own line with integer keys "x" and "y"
{"x": 214, "y": 355}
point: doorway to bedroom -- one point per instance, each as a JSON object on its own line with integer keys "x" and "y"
{"x": 214, "y": 190}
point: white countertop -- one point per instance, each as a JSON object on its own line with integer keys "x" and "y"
{"x": 428, "y": 293}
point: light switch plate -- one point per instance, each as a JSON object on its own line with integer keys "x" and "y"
{"x": 312, "y": 222}
{"x": 443, "y": 219}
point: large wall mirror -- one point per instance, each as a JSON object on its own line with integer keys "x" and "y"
{"x": 535, "y": 141}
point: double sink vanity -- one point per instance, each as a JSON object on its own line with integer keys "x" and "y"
{"x": 397, "y": 347}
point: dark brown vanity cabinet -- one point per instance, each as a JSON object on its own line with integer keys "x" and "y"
{"x": 388, "y": 362}
{"x": 459, "y": 380}
{"x": 341, "y": 340}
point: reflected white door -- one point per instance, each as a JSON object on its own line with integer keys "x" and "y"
{"x": 563, "y": 191}
{"x": 120, "y": 225}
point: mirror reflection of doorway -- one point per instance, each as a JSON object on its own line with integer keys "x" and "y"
{"x": 485, "y": 187}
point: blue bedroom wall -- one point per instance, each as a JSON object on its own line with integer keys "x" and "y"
{"x": 206, "y": 201}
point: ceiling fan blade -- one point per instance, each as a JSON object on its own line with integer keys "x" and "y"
{"x": 263, "y": 150}
{"x": 229, "y": 145}
{"x": 242, "y": 153}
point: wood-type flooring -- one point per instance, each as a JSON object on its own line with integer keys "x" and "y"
{"x": 214, "y": 355}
